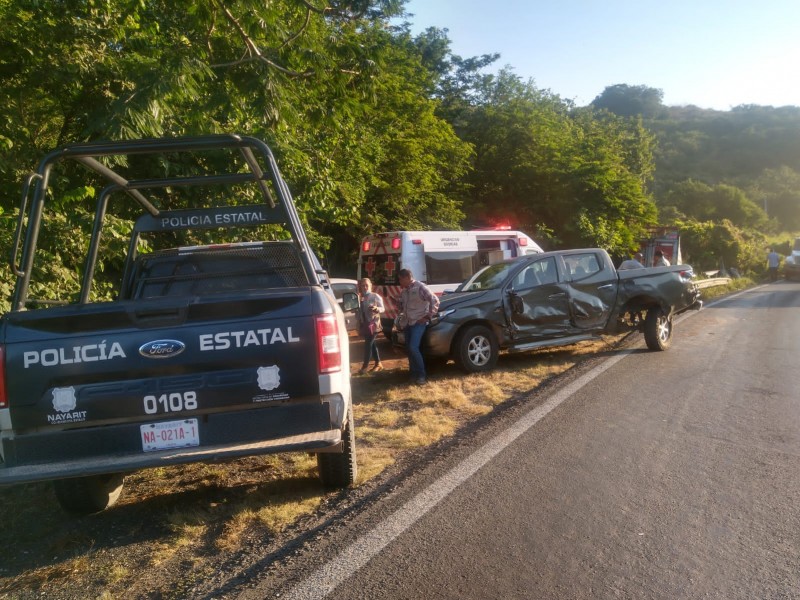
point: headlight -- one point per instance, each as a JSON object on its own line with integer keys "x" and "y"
{"x": 441, "y": 315}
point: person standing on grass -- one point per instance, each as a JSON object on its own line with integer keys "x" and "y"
{"x": 369, "y": 319}
{"x": 773, "y": 262}
{"x": 417, "y": 306}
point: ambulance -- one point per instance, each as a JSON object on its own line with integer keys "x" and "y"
{"x": 440, "y": 259}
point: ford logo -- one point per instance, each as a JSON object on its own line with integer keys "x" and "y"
{"x": 162, "y": 349}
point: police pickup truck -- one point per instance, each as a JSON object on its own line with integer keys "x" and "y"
{"x": 206, "y": 351}
{"x": 555, "y": 298}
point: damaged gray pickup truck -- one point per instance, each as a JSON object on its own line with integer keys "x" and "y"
{"x": 552, "y": 299}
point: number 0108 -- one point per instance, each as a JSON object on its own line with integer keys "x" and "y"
{"x": 165, "y": 403}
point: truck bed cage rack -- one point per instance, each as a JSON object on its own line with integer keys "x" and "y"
{"x": 262, "y": 170}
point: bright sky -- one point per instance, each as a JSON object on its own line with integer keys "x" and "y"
{"x": 710, "y": 53}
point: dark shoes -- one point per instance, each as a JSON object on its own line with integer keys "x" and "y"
{"x": 375, "y": 368}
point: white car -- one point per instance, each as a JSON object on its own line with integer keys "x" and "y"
{"x": 340, "y": 288}
{"x": 791, "y": 266}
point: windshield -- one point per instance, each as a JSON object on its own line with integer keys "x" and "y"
{"x": 487, "y": 278}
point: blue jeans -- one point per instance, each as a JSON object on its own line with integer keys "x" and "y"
{"x": 416, "y": 364}
{"x": 370, "y": 349}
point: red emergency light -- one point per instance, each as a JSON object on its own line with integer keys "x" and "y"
{"x": 523, "y": 241}
{"x": 396, "y": 243}
{"x": 493, "y": 228}
{"x": 365, "y": 246}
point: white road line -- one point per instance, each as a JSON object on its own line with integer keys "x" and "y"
{"x": 323, "y": 581}
{"x": 328, "y": 577}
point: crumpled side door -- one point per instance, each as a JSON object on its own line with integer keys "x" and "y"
{"x": 537, "y": 303}
{"x": 592, "y": 289}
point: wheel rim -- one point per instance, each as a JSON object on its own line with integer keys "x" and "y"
{"x": 663, "y": 328}
{"x": 479, "y": 351}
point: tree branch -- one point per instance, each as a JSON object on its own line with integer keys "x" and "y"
{"x": 252, "y": 49}
{"x": 327, "y": 10}
{"x": 299, "y": 31}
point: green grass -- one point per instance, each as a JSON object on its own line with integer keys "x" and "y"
{"x": 722, "y": 290}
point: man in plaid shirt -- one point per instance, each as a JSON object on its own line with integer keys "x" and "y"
{"x": 417, "y": 307}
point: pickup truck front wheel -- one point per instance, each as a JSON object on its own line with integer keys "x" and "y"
{"x": 476, "y": 349}
{"x": 87, "y": 495}
{"x": 339, "y": 470}
{"x": 657, "y": 329}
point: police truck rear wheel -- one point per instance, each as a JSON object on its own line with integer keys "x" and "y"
{"x": 339, "y": 470}
{"x": 87, "y": 495}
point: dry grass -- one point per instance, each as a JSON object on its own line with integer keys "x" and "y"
{"x": 393, "y": 419}
{"x": 188, "y": 528}
{"x": 200, "y": 510}
{"x": 68, "y": 569}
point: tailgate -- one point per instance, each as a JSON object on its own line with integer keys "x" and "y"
{"x": 74, "y": 367}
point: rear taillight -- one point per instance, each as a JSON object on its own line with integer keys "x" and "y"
{"x": 329, "y": 355}
{"x": 3, "y": 398}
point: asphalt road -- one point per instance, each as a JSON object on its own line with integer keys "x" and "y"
{"x": 643, "y": 475}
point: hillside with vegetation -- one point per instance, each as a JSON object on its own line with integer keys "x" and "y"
{"x": 378, "y": 129}
{"x": 730, "y": 180}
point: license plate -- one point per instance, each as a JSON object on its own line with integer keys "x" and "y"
{"x": 170, "y": 434}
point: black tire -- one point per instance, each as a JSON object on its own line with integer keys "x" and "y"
{"x": 476, "y": 349}
{"x": 87, "y": 495}
{"x": 339, "y": 470}
{"x": 657, "y": 329}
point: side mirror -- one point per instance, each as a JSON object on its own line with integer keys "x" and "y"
{"x": 349, "y": 301}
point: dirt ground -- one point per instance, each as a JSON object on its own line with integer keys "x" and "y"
{"x": 392, "y": 359}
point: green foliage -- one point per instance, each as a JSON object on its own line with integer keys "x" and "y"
{"x": 709, "y": 245}
{"x": 742, "y": 165}
{"x": 779, "y": 191}
{"x": 541, "y": 164}
{"x": 374, "y": 129}
{"x": 733, "y": 147}
{"x": 631, "y": 101}
{"x": 702, "y": 202}
{"x": 340, "y": 98}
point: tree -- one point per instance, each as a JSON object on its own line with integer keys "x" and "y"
{"x": 778, "y": 190}
{"x": 708, "y": 245}
{"x": 703, "y": 202}
{"x": 547, "y": 167}
{"x": 631, "y": 101}
{"x": 316, "y": 80}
